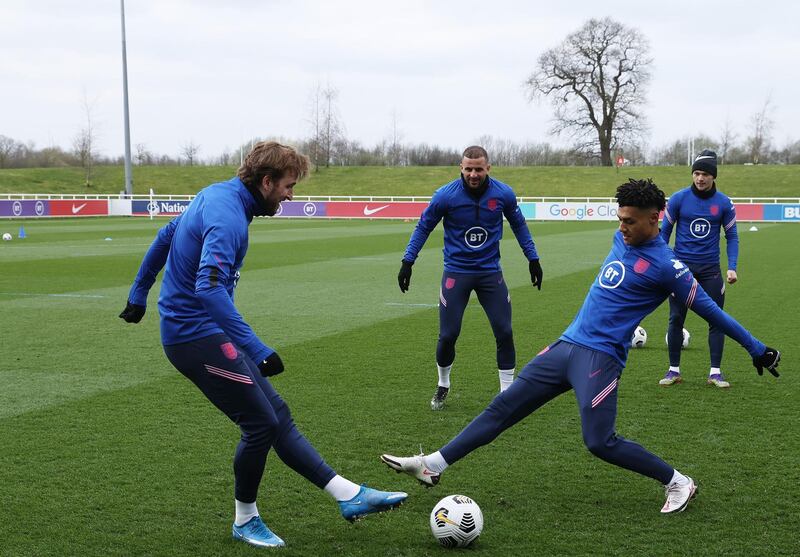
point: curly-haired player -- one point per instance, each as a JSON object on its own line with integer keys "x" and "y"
{"x": 636, "y": 277}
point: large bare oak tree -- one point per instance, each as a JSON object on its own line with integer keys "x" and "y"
{"x": 596, "y": 80}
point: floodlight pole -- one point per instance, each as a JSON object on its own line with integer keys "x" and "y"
{"x": 128, "y": 179}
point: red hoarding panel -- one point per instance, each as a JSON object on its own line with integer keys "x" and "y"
{"x": 375, "y": 210}
{"x": 78, "y": 207}
{"x": 749, "y": 211}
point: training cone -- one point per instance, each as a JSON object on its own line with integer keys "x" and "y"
{"x": 753, "y": 229}
{"x": 21, "y": 232}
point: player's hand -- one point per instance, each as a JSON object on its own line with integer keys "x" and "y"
{"x": 132, "y": 313}
{"x": 271, "y": 365}
{"x": 731, "y": 278}
{"x": 769, "y": 359}
{"x": 404, "y": 276}
{"x": 536, "y": 273}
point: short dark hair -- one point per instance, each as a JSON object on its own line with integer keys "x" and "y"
{"x": 475, "y": 152}
{"x": 643, "y": 194}
{"x": 270, "y": 158}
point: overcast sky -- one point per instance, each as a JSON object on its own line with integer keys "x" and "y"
{"x": 217, "y": 72}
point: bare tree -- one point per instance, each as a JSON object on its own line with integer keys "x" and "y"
{"x": 790, "y": 154}
{"x": 326, "y": 128}
{"x": 726, "y": 140}
{"x": 189, "y": 151}
{"x": 83, "y": 144}
{"x": 596, "y": 80}
{"x": 7, "y": 148}
{"x": 315, "y": 121}
{"x": 395, "y": 147}
{"x": 143, "y": 156}
{"x": 226, "y": 158}
{"x": 331, "y": 123}
{"x": 761, "y": 129}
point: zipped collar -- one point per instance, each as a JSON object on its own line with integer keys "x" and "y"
{"x": 475, "y": 193}
{"x": 252, "y": 199}
{"x": 249, "y": 200}
{"x": 708, "y": 194}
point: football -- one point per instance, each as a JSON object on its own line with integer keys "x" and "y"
{"x": 639, "y": 337}
{"x": 456, "y": 521}
{"x": 686, "y": 337}
{"x": 6, "y": 237}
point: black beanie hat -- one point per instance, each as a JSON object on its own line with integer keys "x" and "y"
{"x": 706, "y": 161}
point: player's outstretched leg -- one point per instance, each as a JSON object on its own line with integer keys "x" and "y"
{"x": 368, "y": 501}
{"x": 678, "y": 495}
{"x": 255, "y": 532}
{"x": 414, "y": 466}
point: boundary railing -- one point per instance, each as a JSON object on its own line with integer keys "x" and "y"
{"x": 30, "y": 205}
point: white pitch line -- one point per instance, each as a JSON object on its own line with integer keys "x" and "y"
{"x": 412, "y": 305}
{"x": 52, "y": 295}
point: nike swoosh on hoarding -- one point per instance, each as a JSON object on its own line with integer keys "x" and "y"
{"x": 368, "y": 211}
{"x": 76, "y": 210}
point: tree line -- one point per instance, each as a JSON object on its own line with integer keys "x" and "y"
{"x": 347, "y": 152}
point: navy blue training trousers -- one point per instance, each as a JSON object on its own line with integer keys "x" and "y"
{"x": 233, "y": 383}
{"x": 493, "y": 296}
{"x": 594, "y": 376}
{"x": 709, "y": 277}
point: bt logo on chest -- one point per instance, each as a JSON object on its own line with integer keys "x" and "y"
{"x": 476, "y": 236}
{"x": 612, "y": 275}
{"x": 700, "y": 228}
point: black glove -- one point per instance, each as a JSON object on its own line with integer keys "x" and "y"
{"x": 404, "y": 276}
{"x": 132, "y": 313}
{"x": 769, "y": 359}
{"x": 536, "y": 273}
{"x": 272, "y": 365}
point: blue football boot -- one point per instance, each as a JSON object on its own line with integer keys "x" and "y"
{"x": 368, "y": 501}
{"x": 256, "y": 533}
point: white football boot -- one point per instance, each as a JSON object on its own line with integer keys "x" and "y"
{"x": 413, "y": 466}
{"x": 678, "y": 496}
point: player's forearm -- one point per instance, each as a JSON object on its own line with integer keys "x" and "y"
{"x": 152, "y": 263}
{"x": 525, "y": 241}
{"x": 523, "y": 235}
{"x": 418, "y": 239}
{"x": 220, "y": 308}
{"x": 711, "y": 312}
{"x": 732, "y": 249}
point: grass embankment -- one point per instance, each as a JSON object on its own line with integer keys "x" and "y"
{"x": 538, "y": 181}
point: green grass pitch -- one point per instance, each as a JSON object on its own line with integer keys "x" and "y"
{"x": 107, "y": 450}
